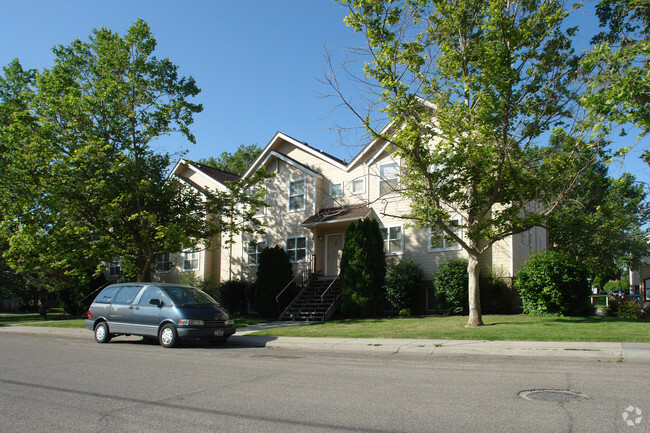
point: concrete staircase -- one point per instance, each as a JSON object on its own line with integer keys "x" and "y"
{"x": 316, "y": 302}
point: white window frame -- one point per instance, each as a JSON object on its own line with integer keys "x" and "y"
{"x": 388, "y": 240}
{"x": 445, "y": 240}
{"x": 304, "y": 195}
{"x": 340, "y": 188}
{"x": 295, "y": 254}
{"x": 363, "y": 186}
{"x": 381, "y": 179}
{"x": 256, "y": 253}
{"x": 114, "y": 267}
{"x": 158, "y": 266}
{"x": 194, "y": 256}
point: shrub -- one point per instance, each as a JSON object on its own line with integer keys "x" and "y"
{"x": 401, "y": 280}
{"x": 622, "y": 284}
{"x": 363, "y": 268}
{"x": 274, "y": 272}
{"x": 232, "y": 295}
{"x": 554, "y": 283}
{"x": 623, "y": 309}
{"x": 450, "y": 285}
{"x": 496, "y": 294}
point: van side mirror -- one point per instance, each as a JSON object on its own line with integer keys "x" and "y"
{"x": 155, "y": 302}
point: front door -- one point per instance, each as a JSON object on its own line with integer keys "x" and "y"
{"x": 334, "y": 248}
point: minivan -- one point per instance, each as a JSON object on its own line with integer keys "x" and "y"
{"x": 162, "y": 311}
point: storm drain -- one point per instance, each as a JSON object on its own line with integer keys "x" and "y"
{"x": 552, "y": 395}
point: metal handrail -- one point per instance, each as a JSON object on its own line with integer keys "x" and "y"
{"x": 277, "y": 298}
{"x": 322, "y": 297}
{"x": 304, "y": 274}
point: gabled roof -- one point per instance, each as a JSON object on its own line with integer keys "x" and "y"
{"x": 218, "y": 175}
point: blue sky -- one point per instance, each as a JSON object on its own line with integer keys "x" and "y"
{"x": 257, "y": 62}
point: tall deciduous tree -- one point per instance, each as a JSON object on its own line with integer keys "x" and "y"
{"x": 84, "y": 182}
{"x": 237, "y": 162}
{"x": 471, "y": 87}
{"x": 618, "y": 66}
{"x": 601, "y": 223}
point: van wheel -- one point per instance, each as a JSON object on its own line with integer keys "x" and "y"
{"x": 168, "y": 336}
{"x": 101, "y": 333}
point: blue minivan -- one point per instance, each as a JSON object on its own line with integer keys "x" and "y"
{"x": 167, "y": 312}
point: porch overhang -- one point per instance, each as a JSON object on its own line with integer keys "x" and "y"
{"x": 337, "y": 215}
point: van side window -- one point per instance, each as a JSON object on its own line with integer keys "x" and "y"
{"x": 150, "y": 293}
{"x": 126, "y": 294}
{"x": 106, "y": 297}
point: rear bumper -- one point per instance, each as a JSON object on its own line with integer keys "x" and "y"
{"x": 205, "y": 333}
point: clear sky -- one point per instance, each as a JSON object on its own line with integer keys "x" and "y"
{"x": 257, "y": 62}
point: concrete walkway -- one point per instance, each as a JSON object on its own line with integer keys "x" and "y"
{"x": 422, "y": 347}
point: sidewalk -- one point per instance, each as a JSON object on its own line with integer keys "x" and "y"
{"x": 420, "y": 347}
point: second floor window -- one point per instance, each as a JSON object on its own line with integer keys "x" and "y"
{"x": 388, "y": 178}
{"x": 297, "y": 195}
{"x": 438, "y": 240}
{"x": 190, "y": 260}
{"x": 336, "y": 190}
{"x": 114, "y": 267}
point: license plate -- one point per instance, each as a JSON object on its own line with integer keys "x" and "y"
{"x": 218, "y": 333}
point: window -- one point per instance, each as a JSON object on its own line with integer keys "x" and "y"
{"x": 297, "y": 195}
{"x": 114, "y": 267}
{"x": 296, "y": 248}
{"x": 150, "y": 293}
{"x": 388, "y": 180}
{"x": 261, "y": 193}
{"x": 439, "y": 241}
{"x": 336, "y": 190}
{"x": 190, "y": 260}
{"x": 163, "y": 262}
{"x": 254, "y": 250}
{"x": 358, "y": 186}
{"x": 126, "y": 295}
{"x": 392, "y": 240}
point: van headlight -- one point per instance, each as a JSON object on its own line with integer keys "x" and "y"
{"x": 189, "y": 322}
{"x": 230, "y": 322}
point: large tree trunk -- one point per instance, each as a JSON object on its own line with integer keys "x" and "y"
{"x": 475, "y": 318}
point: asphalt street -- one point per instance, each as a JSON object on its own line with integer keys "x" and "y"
{"x": 54, "y": 382}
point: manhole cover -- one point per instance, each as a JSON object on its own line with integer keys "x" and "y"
{"x": 553, "y": 395}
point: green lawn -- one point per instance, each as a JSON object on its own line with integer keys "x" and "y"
{"x": 518, "y": 327}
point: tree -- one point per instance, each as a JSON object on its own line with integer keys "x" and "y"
{"x": 91, "y": 187}
{"x": 237, "y": 162}
{"x": 617, "y": 66}
{"x": 363, "y": 268}
{"x": 601, "y": 223}
{"x": 274, "y": 273}
{"x": 470, "y": 88}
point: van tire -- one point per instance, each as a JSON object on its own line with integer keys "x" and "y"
{"x": 168, "y": 337}
{"x": 102, "y": 335}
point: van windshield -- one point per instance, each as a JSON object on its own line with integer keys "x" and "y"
{"x": 187, "y": 296}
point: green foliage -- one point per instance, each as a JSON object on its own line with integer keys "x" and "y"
{"x": 237, "y": 162}
{"x": 232, "y": 295}
{"x": 555, "y": 284}
{"x": 496, "y": 294}
{"x": 363, "y": 268}
{"x": 274, "y": 272}
{"x": 401, "y": 281}
{"x": 450, "y": 286}
{"x": 484, "y": 81}
{"x": 623, "y": 309}
{"x": 601, "y": 223}
{"x": 622, "y": 284}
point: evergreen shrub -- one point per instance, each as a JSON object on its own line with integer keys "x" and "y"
{"x": 450, "y": 286}
{"x": 274, "y": 272}
{"x": 232, "y": 295}
{"x": 363, "y": 268}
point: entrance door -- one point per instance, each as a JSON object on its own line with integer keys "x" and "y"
{"x": 333, "y": 252}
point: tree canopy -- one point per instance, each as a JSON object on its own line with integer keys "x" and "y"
{"x": 237, "y": 162}
{"x": 471, "y": 88}
{"x": 81, "y": 183}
